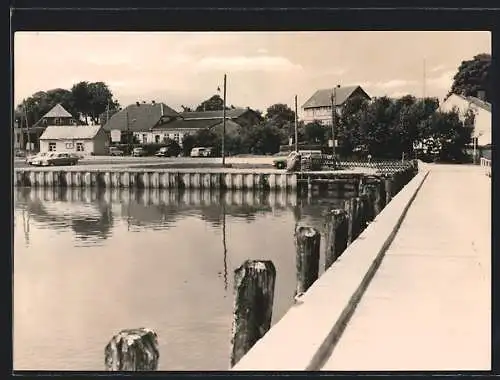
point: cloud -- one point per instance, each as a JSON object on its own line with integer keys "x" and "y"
{"x": 443, "y": 81}
{"x": 437, "y": 68}
{"x": 396, "y": 83}
{"x": 262, "y": 51}
{"x": 243, "y": 63}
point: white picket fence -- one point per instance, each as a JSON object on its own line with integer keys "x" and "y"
{"x": 486, "y": 164}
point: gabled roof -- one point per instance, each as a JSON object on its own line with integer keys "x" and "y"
{"x": 323, "y": 98}
{"x": 231, "y": 114}
{"x": 480, "y": 103}
{"x": 57, "y": 111}
{"x": 186, "y": 124}
{"x": 140, "y": 117}
{"x": 70, "y": 132}
{"x": 476, "y": 101}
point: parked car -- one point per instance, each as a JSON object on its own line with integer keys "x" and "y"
{"x": 166, "y": 151}
{"x": 19, "y": 153}
{"x": 114, "y": 151}
{"x": 139, "y": 152}
{"x": 201, "y": 152}
{"x": 55, "y": 158}
{"x": 280, "y": 162}
{"x": 30, "y": 159}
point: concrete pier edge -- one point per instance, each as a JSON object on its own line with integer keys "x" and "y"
{"x": 307, "y": 334}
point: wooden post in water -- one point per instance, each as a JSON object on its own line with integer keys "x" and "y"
{"x": 351, "y": 208}
{"x": 370, "y": 191}
{"x": 307, "y": 245}
{"x": 362, "y": 212}
{"x": 336, "y": 235}
{"x": 388, "y": 189}
{"x": 132, "y": 350}
{"x": 253, "y": 305}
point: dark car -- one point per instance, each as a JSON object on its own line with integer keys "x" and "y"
{"x": 55, "y": 158}
{"x": 114, "y": 151}
{"x": 167, "y": 151}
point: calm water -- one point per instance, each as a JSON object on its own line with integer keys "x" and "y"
{"x": 88, "y": 264}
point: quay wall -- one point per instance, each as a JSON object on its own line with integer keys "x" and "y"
{"x": 204, "y": 178}
{"x": 306, "y": 335}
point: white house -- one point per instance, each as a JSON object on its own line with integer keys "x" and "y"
{"x": 82, "y": 140}
{"x": 482, "y": 112}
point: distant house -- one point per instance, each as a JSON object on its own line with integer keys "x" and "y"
{"x": 138, "y": 119}
{"x": 83, "y": 140}
{"x": 191, "y": 122}
{"x": 57, "y": 116}
{"x": 319, "y": 105}
{"x": 482, "y": 112}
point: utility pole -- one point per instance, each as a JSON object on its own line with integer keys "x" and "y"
{"x": 334, "y": 106}
{"x": 224, "y": 123}
{"x": 296, "y": 127}
{"x": 128, "y": 130}
{"x": 27, "y": 127}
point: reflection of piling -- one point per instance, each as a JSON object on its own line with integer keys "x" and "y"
{"x": 253, "y": 305}
{"x": 307, "y": 244}
{"x": 132, "y": 350}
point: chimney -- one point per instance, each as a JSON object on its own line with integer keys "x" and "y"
{"x": 481, "y": 94}
{"x": 137, "y": 104}
{"x": 153, "y": 102}
{"x": 338, "y": 86}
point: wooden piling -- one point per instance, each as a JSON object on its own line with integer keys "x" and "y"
{"x": 336, "y": 235}
{"x": 370, "y": 191}
{"x": 253, "y": 305}
{"x": 132, "y": 350}
{"x": 388, "y": 186}
{"x": 351, "y": 208}
{"x": 307, "y": 245}
{"x": 362, "y": 212}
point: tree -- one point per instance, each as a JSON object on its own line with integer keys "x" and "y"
{"x": 473, "y": 76}
{"x": 447, "y": 135}
{"x": 93, "y": 99}
{"x": 280, "y": 115}
{"x": 315, "y": 133}
{"x": 41, "y": 102}
{"x": 100, "y": 99}
{"x": 214, "y": 103}
{"x": 262, "y": 139}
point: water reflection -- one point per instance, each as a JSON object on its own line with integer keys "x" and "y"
{"x": 89, "y": 263}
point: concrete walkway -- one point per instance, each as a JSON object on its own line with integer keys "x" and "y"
{"x": 428, "y": 305}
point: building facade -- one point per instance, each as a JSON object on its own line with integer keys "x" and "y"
{"x": 482, "y": 115}
{"x": 319, "y": 106}
{"x": 191, "y": 122}
{"x": 81, "y": 140}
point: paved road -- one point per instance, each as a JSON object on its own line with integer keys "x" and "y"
{"x": 120, "y": 161}
{"x": 428, "y": 305}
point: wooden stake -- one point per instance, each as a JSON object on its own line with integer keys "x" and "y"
{"x": 307, "y": 244}
{"x": 132, "y": 350}
{"x": 351, "y": 208}
{"x": 253, "y": 305}
{"x": 388, "y": 189}
{"x": 336, "y": 235}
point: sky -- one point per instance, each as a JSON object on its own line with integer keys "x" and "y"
{"x": 263, "y": 68}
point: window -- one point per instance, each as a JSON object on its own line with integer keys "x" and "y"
{"x": 157, "y": 139}
{"x": 144, "y": 138}
{"x": 18, "y": 137}
{"x": 176, "y": 137}
{"x": 69, "y": 145}
{"x": 80, "y": 147}
{"x": 52, "y": 147}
